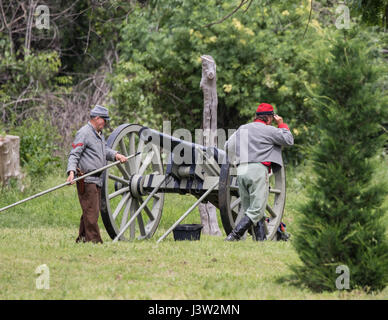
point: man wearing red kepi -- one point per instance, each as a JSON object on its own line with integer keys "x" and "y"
{"x": 257, "y": 149}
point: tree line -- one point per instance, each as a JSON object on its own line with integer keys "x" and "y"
{"x": 142, "y": 60}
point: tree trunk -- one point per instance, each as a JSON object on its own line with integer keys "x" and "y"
{"x": 208, "y": 85}
{"x": 9, "y": 158}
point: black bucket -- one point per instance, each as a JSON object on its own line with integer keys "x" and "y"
{"x": 187, "y": 232}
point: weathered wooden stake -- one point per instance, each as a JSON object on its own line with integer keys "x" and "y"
{"x": 208, "y": 85}
{"x": 9, "y": 158}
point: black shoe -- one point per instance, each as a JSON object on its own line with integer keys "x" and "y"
{"x": 260, "y": 234}
{"x": 240, "y": 229}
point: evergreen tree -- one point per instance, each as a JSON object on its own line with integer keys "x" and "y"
{"x": 341, "y": 222}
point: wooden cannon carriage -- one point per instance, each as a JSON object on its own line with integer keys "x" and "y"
{"x": 133, "y": 192}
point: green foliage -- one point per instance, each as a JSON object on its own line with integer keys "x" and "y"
{"x": 361, "y": 12}
{"x": 37, "y": 147}
{"x": 341, "y": 222}
{"x": 25, "y": 79}
{"x": 373, "y": 12}
{"x": 2, "y": 132}
{"x": 92, "y": 35}
{"x": 260, "y": 53}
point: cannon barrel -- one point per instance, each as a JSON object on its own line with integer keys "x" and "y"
{"x": 182, "y": 152}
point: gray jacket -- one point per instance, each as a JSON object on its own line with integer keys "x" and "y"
{"x": 258, "y": 142}
{"x": 89, "y": 152}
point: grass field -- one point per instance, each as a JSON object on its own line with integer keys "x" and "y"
{"x": 43, "y": 231}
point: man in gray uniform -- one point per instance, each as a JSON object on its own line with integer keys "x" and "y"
{"x": 89, "y": 152}
{"x": 257, "y": 149}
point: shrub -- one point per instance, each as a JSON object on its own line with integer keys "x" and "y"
{"x": 341, "y": 222}
{"x": 37, "y": 146}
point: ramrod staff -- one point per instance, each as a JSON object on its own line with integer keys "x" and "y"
{"x": 67, "y": 183}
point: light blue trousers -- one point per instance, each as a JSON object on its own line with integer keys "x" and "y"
{"x": 253, "y": 183}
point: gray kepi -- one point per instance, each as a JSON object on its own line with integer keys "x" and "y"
{"x": 99, "y": 111}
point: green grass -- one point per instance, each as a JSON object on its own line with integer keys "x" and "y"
{"x": 43, "y": 231}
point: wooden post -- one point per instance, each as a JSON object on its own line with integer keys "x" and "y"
{"x": 208, "y": 85}
{"x": 9, "y": 158}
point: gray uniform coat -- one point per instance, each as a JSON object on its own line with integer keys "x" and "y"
{"x": 89, "y": 152}
{"x": 258, "y": 142}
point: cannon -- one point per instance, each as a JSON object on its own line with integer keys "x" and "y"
{"x": 133, "y": 193}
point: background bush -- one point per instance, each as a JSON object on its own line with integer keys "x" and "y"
{"x": 38, "y": 147}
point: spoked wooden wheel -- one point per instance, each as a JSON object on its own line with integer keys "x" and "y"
{"x": 122, "y": 193}
{"x": 230, "y": 203}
